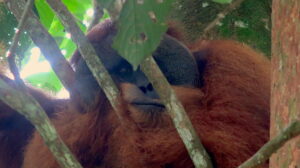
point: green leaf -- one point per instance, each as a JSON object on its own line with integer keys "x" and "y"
{"x": 69, "y": 46}
{"x": 222, "y": 1}
{"x": 78, "y": 7}
{"x": 141, "y": 25}
{"x": 56, "y": 28}
{"x": 46, "y": 14}
{"x": 50, "y": 20}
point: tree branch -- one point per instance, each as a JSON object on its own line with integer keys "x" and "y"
{"x": 176, "y": 111}
{"x": 11, "y": 53}
{"x": 92, "y": 59}
{"x": 273, "y": 145}
{"x": 98, "y": 13}
{"x": 46, "y": 43}
{"x": 30, "y": 108}
{"x": 97, "y": 68}
{"x": 87, "y": 51}
{"x": 179, "y": 117}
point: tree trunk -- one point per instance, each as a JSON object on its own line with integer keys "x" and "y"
{"x": 285, "y": 90}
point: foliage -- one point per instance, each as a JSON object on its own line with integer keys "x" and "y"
{"x": 256, "y": 25}
{"x": 56, "y": 29}
{"x": 8, "y": 23}
{"x": 49, "y": 80}
{"x": 249, "y": 23}
{"x": 139, "y": 39}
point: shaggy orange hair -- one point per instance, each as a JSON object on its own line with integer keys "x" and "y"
{"x": 230, "y": 114}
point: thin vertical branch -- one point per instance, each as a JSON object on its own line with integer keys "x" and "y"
{"x": 98, "y": 14}
{"x": 45, "y": 42}
{"x": 12, "y": 50}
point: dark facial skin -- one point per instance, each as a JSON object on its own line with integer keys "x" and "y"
{"x": 174, "y": 59}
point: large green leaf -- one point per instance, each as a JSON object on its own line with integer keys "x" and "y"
{"x": 45, "y": 12}
{"x": 141, "y": 25}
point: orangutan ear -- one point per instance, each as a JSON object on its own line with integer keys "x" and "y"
{"x": 201, "y": 60}
{"x": 176, "y": 62}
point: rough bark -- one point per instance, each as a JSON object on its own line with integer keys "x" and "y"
{"x": 179, "y": 117}
{"x": 285, "y": 98}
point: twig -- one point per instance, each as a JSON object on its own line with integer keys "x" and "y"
{"x": 98, "y": 13}
{"x": 30, "y": 108}
{"x": 272, "y": 146}
{"x": 220, "y": 16}
{"x": 46, "y": 43}
{"x": 11, "y": 53}
{"x": 180, "y": 119}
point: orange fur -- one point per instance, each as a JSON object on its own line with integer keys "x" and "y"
{"x": 230, "y": 114}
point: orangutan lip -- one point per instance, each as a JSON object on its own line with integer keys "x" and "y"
{"x": 158, "y": 104}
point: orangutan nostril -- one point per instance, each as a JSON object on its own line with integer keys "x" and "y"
{"x": 150, "y": 87}
{"x": 144, "y": 90}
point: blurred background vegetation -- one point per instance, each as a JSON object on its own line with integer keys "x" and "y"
{"x": 249, "y": 23}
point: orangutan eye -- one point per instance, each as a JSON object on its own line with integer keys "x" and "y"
{"x": 124, "y": 71}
